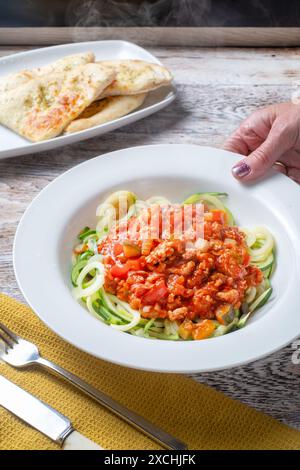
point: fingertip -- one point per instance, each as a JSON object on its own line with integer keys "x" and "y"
{"x": 241, "y": 170}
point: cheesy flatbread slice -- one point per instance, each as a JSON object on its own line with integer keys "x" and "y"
{"x": 14, "y": 80}
{"x": 135, "y": 76}
{"x": 102, "y": 111}
{"x": 65, "y": 64}
{"x": 43, "y": 107}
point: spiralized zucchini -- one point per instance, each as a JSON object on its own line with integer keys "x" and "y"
{"x": 263, "y": 244}
{"x": 136, "y": 208}
{"x": 94, "y": 284}
{"x": 88, "y": 270}
{"x": 160, "y": 200}
{"x": 250, "y": 236}
{"x": 112, "y": 209}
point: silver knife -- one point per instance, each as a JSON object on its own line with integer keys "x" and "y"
{"x": 42, "y": 417}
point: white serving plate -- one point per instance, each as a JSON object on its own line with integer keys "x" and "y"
{"x": 48, "y": 230}
{"x": 11, "y": 144}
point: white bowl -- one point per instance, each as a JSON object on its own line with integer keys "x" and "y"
{"x": 48, "y": 230}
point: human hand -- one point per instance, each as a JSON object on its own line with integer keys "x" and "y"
{"x": 267, "y": 136}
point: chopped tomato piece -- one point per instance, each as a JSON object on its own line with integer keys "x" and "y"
{"x": 119, "y": 271}
{"x": 218, "y": 216}
{"x": 156, "y": 294}
{"x": 118, "y": 249}
{"x": 246, "y": 259}
{"x": 204, "y": 330}
{"x": 134, "y": 264}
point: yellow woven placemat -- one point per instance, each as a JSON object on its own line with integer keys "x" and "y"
{"x": 199, "y": 415}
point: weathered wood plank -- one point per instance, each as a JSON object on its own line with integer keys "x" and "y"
{"x": 217, "y": 88}
{"x": 156, "y": 36}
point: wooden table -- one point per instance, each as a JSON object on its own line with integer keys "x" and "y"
{"x": 217, "y": 88}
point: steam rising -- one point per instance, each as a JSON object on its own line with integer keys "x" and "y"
{"x": 136, "y": 13}
{"x": 116, "y": 13}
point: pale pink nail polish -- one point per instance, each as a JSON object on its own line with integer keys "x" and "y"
{"x": 240, "y": 170}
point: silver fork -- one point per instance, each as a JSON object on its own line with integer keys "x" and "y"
{"x": 21, "y": 353}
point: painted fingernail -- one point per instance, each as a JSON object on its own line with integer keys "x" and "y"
{"x": 241, "y": 169}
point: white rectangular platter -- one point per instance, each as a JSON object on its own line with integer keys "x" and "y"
{"x": 11, "y": 144}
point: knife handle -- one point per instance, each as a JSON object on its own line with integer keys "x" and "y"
{"x": 77, "y": 441}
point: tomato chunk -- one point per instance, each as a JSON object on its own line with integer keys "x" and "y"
{"x": 119, "y": 271}
{"x": 218, "y": 216}
{"x": 156, "y": 294}
{"x": 118, "y": 249}
{"x": 134, "y": 264}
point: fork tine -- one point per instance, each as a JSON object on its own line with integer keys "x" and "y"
{"x": 6, "y": 341}
{"x": 9, "y": 333}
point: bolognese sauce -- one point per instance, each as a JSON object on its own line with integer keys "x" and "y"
{"x": 170, "y": 278}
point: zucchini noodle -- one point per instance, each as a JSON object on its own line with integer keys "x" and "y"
{"x": 160, "y": 200}
{"x": 105, "y": 209}
{"x": 171, "y": 327}
{"x": 250, "y": 236}
{"x": 88, "y": 268}
{"x": 106, "y": 214}
{"x": 96, "y": 283}
{"x": 89, "y": 304}
{"x": 265, "y": 244}
{"x": 135, "y": 320}
{"x": 213, "y": 201}
{"x": 250, "y": 294}
{"x": 140, "y": 205}
{"x": 136, "y": 208}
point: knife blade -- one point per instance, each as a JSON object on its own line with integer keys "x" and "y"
{"x": 42, "y": 417}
